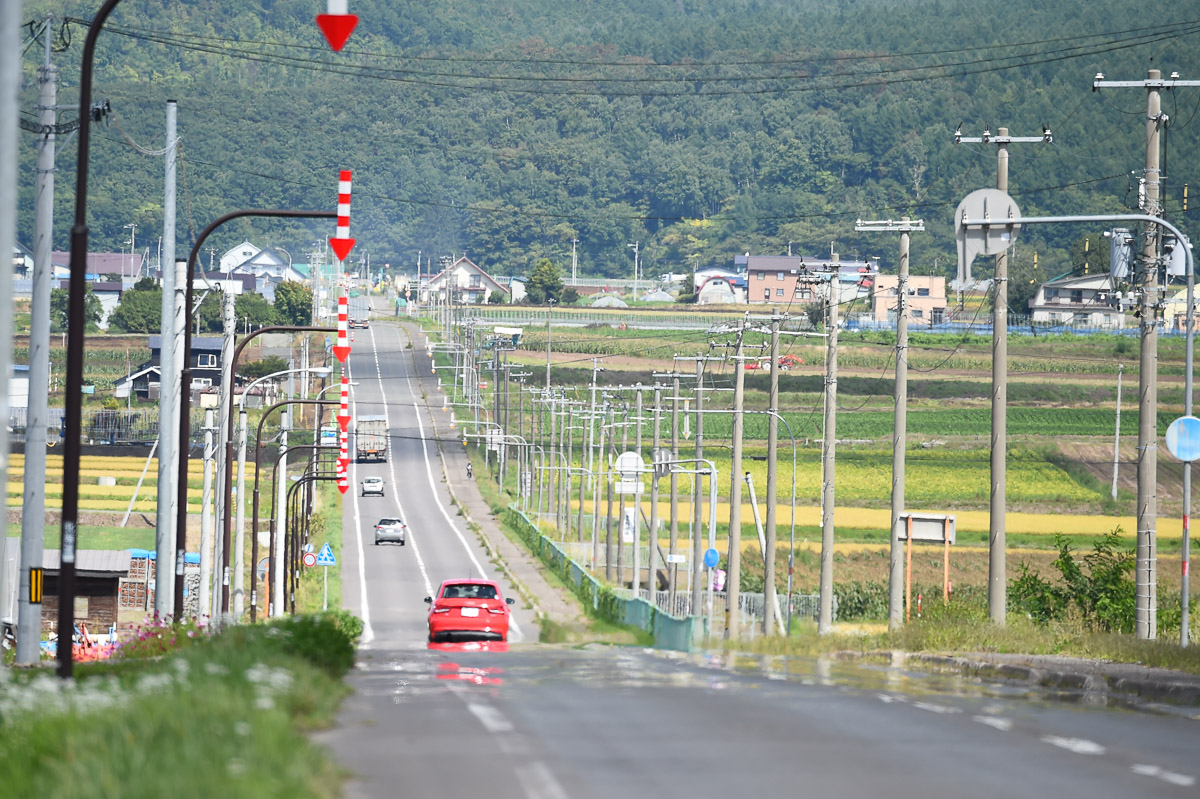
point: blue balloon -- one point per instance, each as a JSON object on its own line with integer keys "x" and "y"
{"x": 711, "y": 558}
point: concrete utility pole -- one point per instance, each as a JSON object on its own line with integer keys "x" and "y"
{"x": 772, "y": 482}
{"x": 1117, "y": 431}
{"x": 206, "y": 517}
{"x": 608, "y": 526}
{"x": 574, "y": 263}
{"x": 168, "y": 457}
{"x": 652, "y": 537}
{"x": 900, "y": 417}
{"x": 997, "y": 566}
{"x": 225, "y": 445}
{"x": 698, "y": 496}
{"x": 828, "y": 453}
{"x": 277, "y": 604}
{"x": 673, "y": 569}
{"x": 596, "y": 501}
{"x": 635, "y": 247}
{"x": 10, "y": 84}
{"x": 734, "y": 556}
{"x": 239, "y": 546}
{"x": 1146, "y": 575}
{"x": 549, "y": 324}
{"x": 33, "y": 506}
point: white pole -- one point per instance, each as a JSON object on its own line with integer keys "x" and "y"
{"x": 165, "y": 512}
{"x": 325, "y": 581}
{"x": 206, "y": 519}
{"x": 239, "y": 546}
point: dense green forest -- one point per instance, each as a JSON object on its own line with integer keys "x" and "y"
{"x": 503, "y": 129}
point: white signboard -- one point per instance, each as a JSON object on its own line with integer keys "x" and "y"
{"x": 927, "y": 527}
{"x": 629, "y": 468}
{"x": 629, "y": 525}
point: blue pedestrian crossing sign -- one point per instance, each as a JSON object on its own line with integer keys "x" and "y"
{"x": 325, "y": 556}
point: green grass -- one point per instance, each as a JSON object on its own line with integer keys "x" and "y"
{"x": 197, "y": 723}
{"x": 326, "y": 527}
{"x": 97, "y": 537}
{"x": 964, "y": 629}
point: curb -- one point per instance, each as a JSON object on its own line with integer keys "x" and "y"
{"x": 1180, "y": 692}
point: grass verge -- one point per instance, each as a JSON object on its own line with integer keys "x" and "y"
{"x": 220, "y": 716}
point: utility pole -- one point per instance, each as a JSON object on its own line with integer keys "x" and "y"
{"x": 608, "y": 528}
{"x": 1146, "y": 570}
{"x": 635, "y": 247}
{"x": 772, "y": 481}
{"x": 596, "y": 501}
{"x": 1117, "y": 431}
{"x": 206, "y": 518}
{"x": 239, "y": 584}
{"x": 828, "y": 454}
{"x": 277, "y": 604}
{"x": 574, "y": 263}
{"x": 637, "y": 514}
{"x": 997, "y": 545}
{"x": 549, "y": 324}
{"x": 652, "y": 538}
{"x": 33, "y": 509}
{"x": 900, "y": 416}
{"x": 621, "y": 503}
{"x": 698, "y": 497}
{"x": 673, "y": 569}
{"x": 10, "y": 83}
{"x": 224, "y": 464}
{"x": 734, "y": 557}
{"x": 169, "y": 371}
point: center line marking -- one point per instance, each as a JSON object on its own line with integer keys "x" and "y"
{"x": 1080, "y": 746}
{"x": 491, "y": 718}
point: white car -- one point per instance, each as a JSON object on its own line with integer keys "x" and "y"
{"x": 372, "y": 486}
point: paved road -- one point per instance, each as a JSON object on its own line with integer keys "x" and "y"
{"x": 542, "y": 722}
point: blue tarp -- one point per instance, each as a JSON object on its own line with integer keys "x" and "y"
{"x": 190, "y": 557}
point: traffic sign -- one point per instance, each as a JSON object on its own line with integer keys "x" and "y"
{"x": 337, "y": 24}
{"x": 325, "y": 556}
{"x": 711, "y": 558}
{"x": 1183, "y": 438}
{"x": 991, "y": 239}
{"x": 310, "y": 559}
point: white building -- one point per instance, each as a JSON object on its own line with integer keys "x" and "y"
{"x": 464, "y": 280}
{"x": 1087, "y": 300}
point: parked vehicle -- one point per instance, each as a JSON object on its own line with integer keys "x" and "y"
{"x": 370, "y": 438}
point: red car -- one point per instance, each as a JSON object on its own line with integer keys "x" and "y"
{"x": 468, "y": 609}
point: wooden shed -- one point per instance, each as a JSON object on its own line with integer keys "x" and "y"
{"x": 98, "y": 575}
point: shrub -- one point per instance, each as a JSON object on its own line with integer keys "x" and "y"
{"x": 320, "y": 639}
{"x": 1098, "y": 585}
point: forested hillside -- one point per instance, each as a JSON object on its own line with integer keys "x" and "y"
{"x": 701, "y": 129}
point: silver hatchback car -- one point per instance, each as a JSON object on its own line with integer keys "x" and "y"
{"x": 391, "y": 530}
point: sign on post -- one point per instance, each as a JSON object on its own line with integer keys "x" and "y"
{"x": 1183, "y": 439}
{"x": 925, "y": 527}
{"x": 629, "y": 468}
{"x": 310, "y": 559}
{"x": 325, "y": 558}
{"x": 629, "y": 525}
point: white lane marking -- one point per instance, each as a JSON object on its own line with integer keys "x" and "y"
{"x": 1080, "y": 746}
{"x": 932, "y": 708}
{"x": 1172, "y": 777}
{"x": 410, "y": 537}
{"x": 368, "y": 634}
{"x": 491, "y": 718}
{"x": 539, "y": 782}
{"x": 512, "y": 622}
{"x": 996, "y": 722}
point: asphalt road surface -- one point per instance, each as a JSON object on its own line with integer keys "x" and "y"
{"x": 545, "y": 722}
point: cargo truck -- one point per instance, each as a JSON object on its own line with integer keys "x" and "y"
{"x": 370, "y": 438}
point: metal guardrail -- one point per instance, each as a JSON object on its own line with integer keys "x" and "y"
{"x": 670, "y": 632}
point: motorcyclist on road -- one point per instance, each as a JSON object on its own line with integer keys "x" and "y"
{"x": 470, "y": 470}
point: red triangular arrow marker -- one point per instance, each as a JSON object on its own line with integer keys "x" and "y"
{"x": 344, "y": 421}
{"x": 341, "y": 353}
{"x": 343, "y": 486}
{"x": 337, "y": 28}
{"x": 341, "y": 247}
{"x": 342, "y": 464}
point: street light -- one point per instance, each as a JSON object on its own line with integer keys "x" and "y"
{"x": 132, "y": 228}
{"x": 239, "y": 547}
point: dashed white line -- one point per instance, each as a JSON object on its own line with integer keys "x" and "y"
{"x": 410, "y": 536}
{"x": 491, "y": 718}
{"x": 932, "y": 708}
{"x": 1080, "y": 746}
{"x": 515, "y": 629}
{"x": 539, "y": 782}
{"x": 368, "y": 634}
{"x": 996, "y": 722}
{"x": 1174, "y": 778}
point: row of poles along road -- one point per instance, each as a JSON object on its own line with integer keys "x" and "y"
{"x": 552, "y": 409}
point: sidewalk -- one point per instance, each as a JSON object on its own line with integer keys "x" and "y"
{"x": 525, "y": 572}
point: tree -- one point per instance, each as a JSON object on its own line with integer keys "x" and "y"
{"x": 496, "y": 298}
{"x": 140, "y": 309}
{"x": 570, "y": 296}
{"x": 93, "y": 311}
{"x": 261, "y": 368}
{"x": 293, "y": 303}
{"x": 545, "y": 283}
{"x": 254, "y": 310}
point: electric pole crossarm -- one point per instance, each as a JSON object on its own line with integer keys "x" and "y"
{"x": 889, "y": 226}
{"x": 1170, "y": 83}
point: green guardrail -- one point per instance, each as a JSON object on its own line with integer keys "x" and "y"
{"x": 670, "y": 632}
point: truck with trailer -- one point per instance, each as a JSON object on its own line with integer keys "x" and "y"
{"x": 370, "y": 438}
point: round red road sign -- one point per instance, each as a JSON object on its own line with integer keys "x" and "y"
{"x": 310, "y": 559}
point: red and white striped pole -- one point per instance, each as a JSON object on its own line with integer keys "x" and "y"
{"x": 344, "y": 463}
{"x": 341, "y": 242}
{"x": 342, "y": 350}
